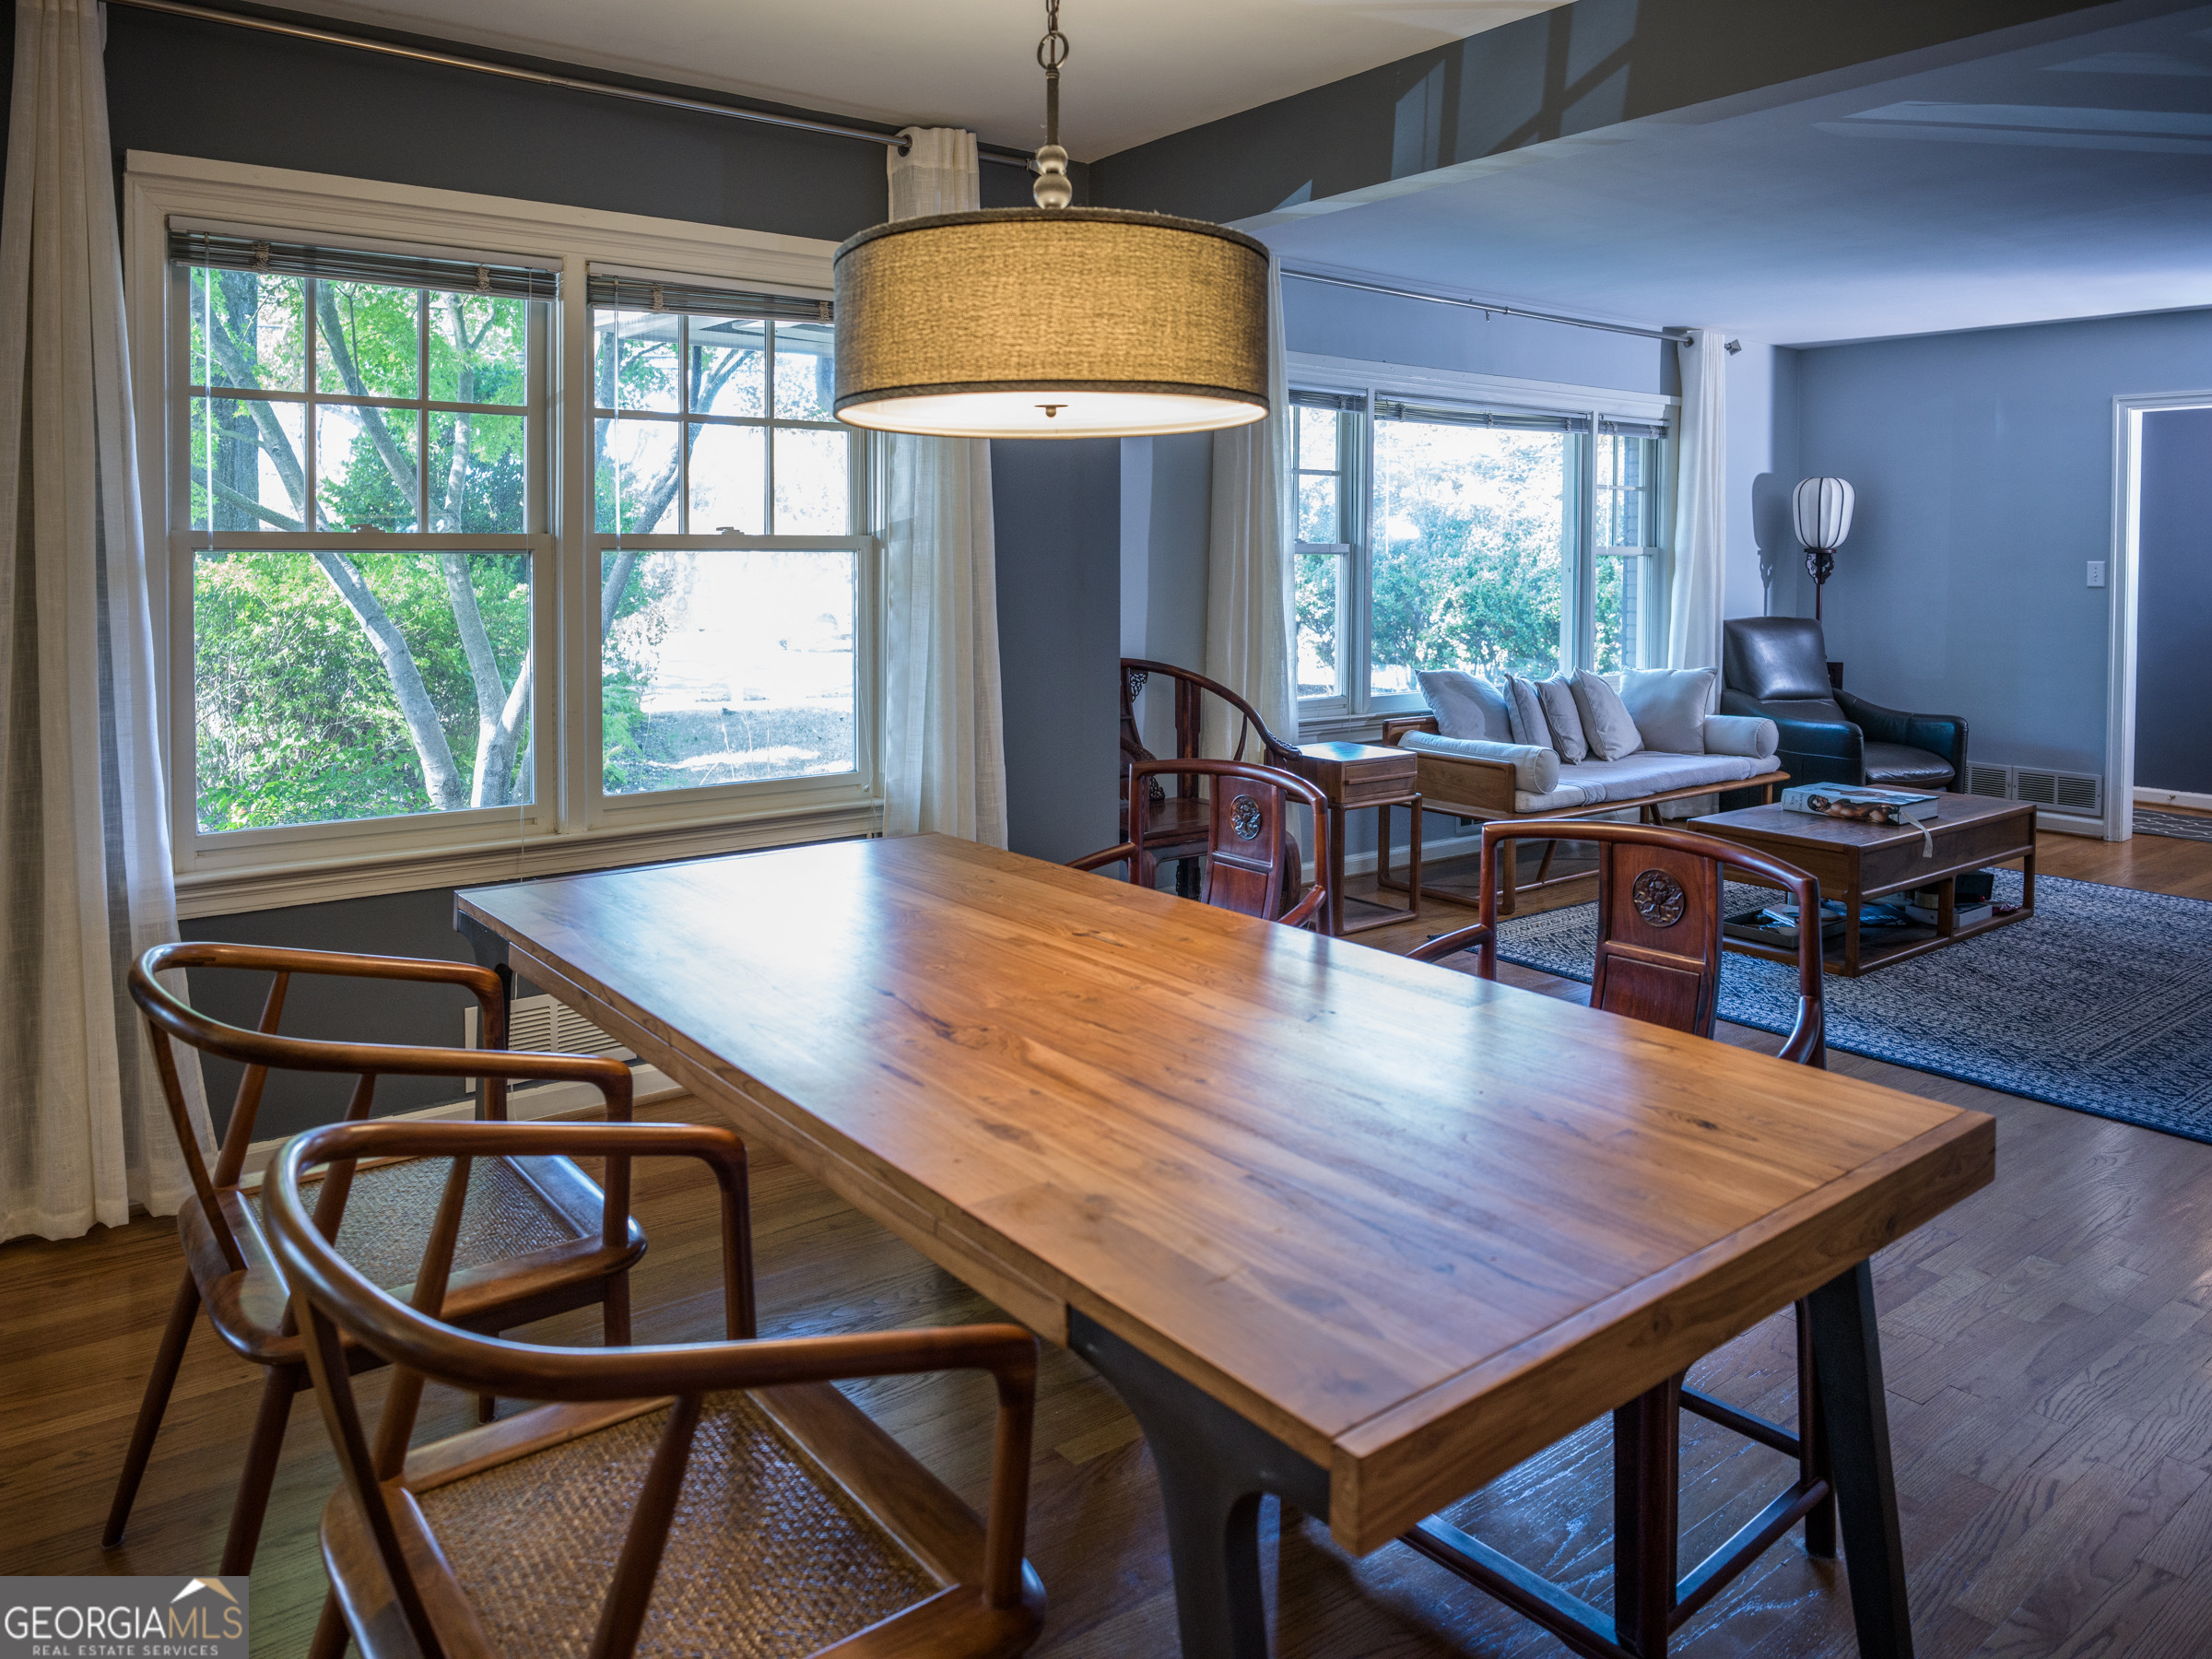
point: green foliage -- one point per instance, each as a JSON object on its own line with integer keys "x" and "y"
{"x": 1470, "y": 526}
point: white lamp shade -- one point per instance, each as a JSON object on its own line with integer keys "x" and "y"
{"x": 1822, "y": 507}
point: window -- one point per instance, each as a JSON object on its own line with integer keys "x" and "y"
{"x": 722, "y": 661}
{"x": 417, "y": 611}
{"x": 1441, "y": 534}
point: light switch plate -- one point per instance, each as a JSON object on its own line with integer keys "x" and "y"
{"x": 2096, "y": 573}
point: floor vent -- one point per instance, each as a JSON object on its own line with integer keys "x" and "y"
{"x": 548, "y": 1025}
{"x": 2078, "y": 792}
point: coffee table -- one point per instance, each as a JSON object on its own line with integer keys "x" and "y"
{"x": 1857, "y": 862}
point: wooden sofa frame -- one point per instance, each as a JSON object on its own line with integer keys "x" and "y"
{"x": 1468, "y": 787}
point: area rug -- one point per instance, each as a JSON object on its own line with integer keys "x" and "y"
{"x": 2101, "y": 1001}
{"x": 2182, "y": 826}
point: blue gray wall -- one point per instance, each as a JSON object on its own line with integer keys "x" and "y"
{"x": 1984, "y": 467}
{"x": 1058, "y": 505}
{"x": 2173, "y": 632}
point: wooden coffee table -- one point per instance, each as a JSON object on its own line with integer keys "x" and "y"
{"x": 1857, "y": 862}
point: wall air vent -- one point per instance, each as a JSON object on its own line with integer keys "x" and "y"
{"x": 2081, "y": 794}
{"x": 548, "y": 1027}
{"x": 1992, "y": 780}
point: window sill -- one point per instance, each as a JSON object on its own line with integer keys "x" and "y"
{"x": 276, "y": 885}
{"x": 1349, "y": 728}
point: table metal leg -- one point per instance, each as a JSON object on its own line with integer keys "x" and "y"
{"x": 1847, "y": 1352}
{"x": 1214, "y": 1466}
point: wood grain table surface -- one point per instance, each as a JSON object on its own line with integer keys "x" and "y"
{"x": 1414, "y": 1224}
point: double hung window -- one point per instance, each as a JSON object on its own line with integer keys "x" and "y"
{"x": 421, "y": 608}
{"x": 1437, "y": 534}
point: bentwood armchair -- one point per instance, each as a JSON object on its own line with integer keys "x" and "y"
{"x": 1660, "y": 914}
{"x": 1253, "y": 865}
{"x": 1176, "y": 825}
{"x": 701, "y": 1497}
{"x": 541, "y": 1236}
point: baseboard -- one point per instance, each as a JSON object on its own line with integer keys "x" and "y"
{"x": 524, "y": 1106}
{"x": 2068, "y": 823}
{"x": 2172, "y": 797}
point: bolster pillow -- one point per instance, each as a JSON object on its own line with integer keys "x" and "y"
{"x": 1535, "y": 771}
{"x": 1741, "y": 735}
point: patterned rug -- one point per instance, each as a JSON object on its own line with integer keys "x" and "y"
{"x": 2103, "y": 1002}
{"x": 2182, "y": 826}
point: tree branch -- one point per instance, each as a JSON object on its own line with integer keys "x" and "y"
{"x": 372, "y": 420}
{"x": 440, "y": 778}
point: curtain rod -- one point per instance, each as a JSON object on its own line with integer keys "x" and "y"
{"x": 1488, "y": 308}
{"x": 699, "y": 106}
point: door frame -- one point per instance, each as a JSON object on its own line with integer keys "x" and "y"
{"x": 2121, "y": 574}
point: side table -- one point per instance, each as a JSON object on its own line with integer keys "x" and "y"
{"x": 1357, "y": 775}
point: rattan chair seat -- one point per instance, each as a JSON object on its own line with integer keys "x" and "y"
{"x": 768, "y": 1557}
{"x": 389, "y": 1211}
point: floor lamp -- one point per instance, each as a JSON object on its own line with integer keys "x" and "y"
{"x": 1823, "y": 511}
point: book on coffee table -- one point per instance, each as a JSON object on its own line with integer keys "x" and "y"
{"x": 1860, "y": 802}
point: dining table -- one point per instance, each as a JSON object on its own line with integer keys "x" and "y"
{"x": 1355, "y": 1230}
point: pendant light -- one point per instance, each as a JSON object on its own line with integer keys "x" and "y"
{"x": 1052, "y": 321}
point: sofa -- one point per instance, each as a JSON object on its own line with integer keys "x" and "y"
{"x": 1638, "y": 741}
{"x": 1776, "y": 669}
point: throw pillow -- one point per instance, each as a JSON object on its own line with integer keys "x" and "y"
{"x": 1606, "y": 721}
{"x": 1465, "y": 705}
{"x": 1669, "y": 706}
{"x": 1557, "y": 695}
{"x": 1526, "y": 710}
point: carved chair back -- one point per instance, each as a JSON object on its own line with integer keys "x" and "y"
{"x": 1191, "y": 691}
{"x": 1254, "y": 863}
{"x": 1659, "y": 915}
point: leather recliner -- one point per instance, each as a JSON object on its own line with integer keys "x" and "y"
{"x": 1777, "y": 668}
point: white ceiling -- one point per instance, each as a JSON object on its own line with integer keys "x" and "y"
{"x": 2069, "y": 179}
{"x": 1138, "y": 69}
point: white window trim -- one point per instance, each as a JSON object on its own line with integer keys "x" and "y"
{"x": 1360, "y": 715}
{"x": 574, "y": 831}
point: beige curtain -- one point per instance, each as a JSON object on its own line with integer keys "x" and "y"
{"x": 944, "y": 754}
{"x": 84, "y": 873}
{"x": 1249, "y": 614}
{"x": 1693, "y": 639}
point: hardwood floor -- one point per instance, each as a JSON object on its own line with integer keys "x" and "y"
{"x": 2048, "y": 1348}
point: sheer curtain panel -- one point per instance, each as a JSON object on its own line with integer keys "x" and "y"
{"x": 1249, "y": 618}
{"x": 85, "y": 873}
{"x": 944, "y": 754}
{"x": 1693, "y": 639}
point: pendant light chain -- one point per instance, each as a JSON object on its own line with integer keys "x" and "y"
{"x": 1053, "y": 188}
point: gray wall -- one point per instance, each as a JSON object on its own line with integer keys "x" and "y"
{"x": 1982, "y": 463}
{"x": 1058, "y": 506}
{"x": 1166, "y": 490}
{"x": 2173, "y": 632}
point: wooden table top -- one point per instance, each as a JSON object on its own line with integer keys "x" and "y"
{"x": 1415, "y": 1224}
{"x": 1778, "y": 823}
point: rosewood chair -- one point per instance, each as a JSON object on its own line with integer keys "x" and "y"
{"x": 540, "y": 1236}
{"x": 1253, "y": 865}
{"x": 1660, "y": 912}
{"x": 1176, "y": 825}
{"x": 699, "y": 1497}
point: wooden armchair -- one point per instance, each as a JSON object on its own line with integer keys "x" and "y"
{"x": 1253, "y": 865}
{"x": 1176, "y": 825}
{"x": 542, "y": 1238}
{"x": 1660, "y": 913}
{"x": 702, "y": 1497}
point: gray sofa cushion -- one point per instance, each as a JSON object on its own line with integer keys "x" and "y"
{"x": 1535, "y": 771}
{"x": 1527, "y": 711}
{"x": 1611, "y": 732}
{"x": 1466, "y": 705}
{"x": 1563, "y": 719}
{"x": 1669, "y": 706}
{"x": 1654, "y": 771}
